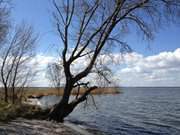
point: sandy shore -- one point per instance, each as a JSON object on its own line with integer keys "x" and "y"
{"x": 39, "y": 127}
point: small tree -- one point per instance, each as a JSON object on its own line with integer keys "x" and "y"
{"x": 55, "y": 75}
{"x": 89, "y": 27}
{"x": 16, "y": 70}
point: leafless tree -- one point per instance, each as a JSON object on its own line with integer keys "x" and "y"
{"x": 87, "y": 28}
{"x": 16, "y": 67}
{"x": 4, "y": 19}
{"x": 55, "y": 75}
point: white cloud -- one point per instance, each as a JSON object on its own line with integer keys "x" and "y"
{"x": 157, "y": 70}
{"x": 132, "y": 69}
{"x": 41, "y": 61}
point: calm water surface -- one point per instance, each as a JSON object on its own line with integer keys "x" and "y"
{"x": 137, "y": 111}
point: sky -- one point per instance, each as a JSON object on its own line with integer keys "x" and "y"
{"x": 151, "y": 64}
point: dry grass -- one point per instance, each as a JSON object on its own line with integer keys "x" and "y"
{"x": 40, "y": 91}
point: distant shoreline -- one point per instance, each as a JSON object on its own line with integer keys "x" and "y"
{"x": 46, "y": 91}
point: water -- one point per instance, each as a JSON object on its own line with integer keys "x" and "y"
{"x": 137, "y": 111}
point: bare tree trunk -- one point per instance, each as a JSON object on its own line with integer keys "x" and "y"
{"x": 6, "y": 94}
{"x": 62, "y": 109}
{"x": 13, "y": 95}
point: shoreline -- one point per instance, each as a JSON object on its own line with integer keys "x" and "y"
{"x": 41, "y": 127}
{"x": 16, "y": 120}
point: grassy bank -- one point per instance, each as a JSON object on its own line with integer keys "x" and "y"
{"x": 12, "y": 111}
{"x": 44, "y": 91}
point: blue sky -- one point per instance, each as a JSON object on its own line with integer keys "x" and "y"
{"x": 37, "y": 13}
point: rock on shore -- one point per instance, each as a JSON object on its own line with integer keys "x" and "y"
{"x": 36, "y": 127}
